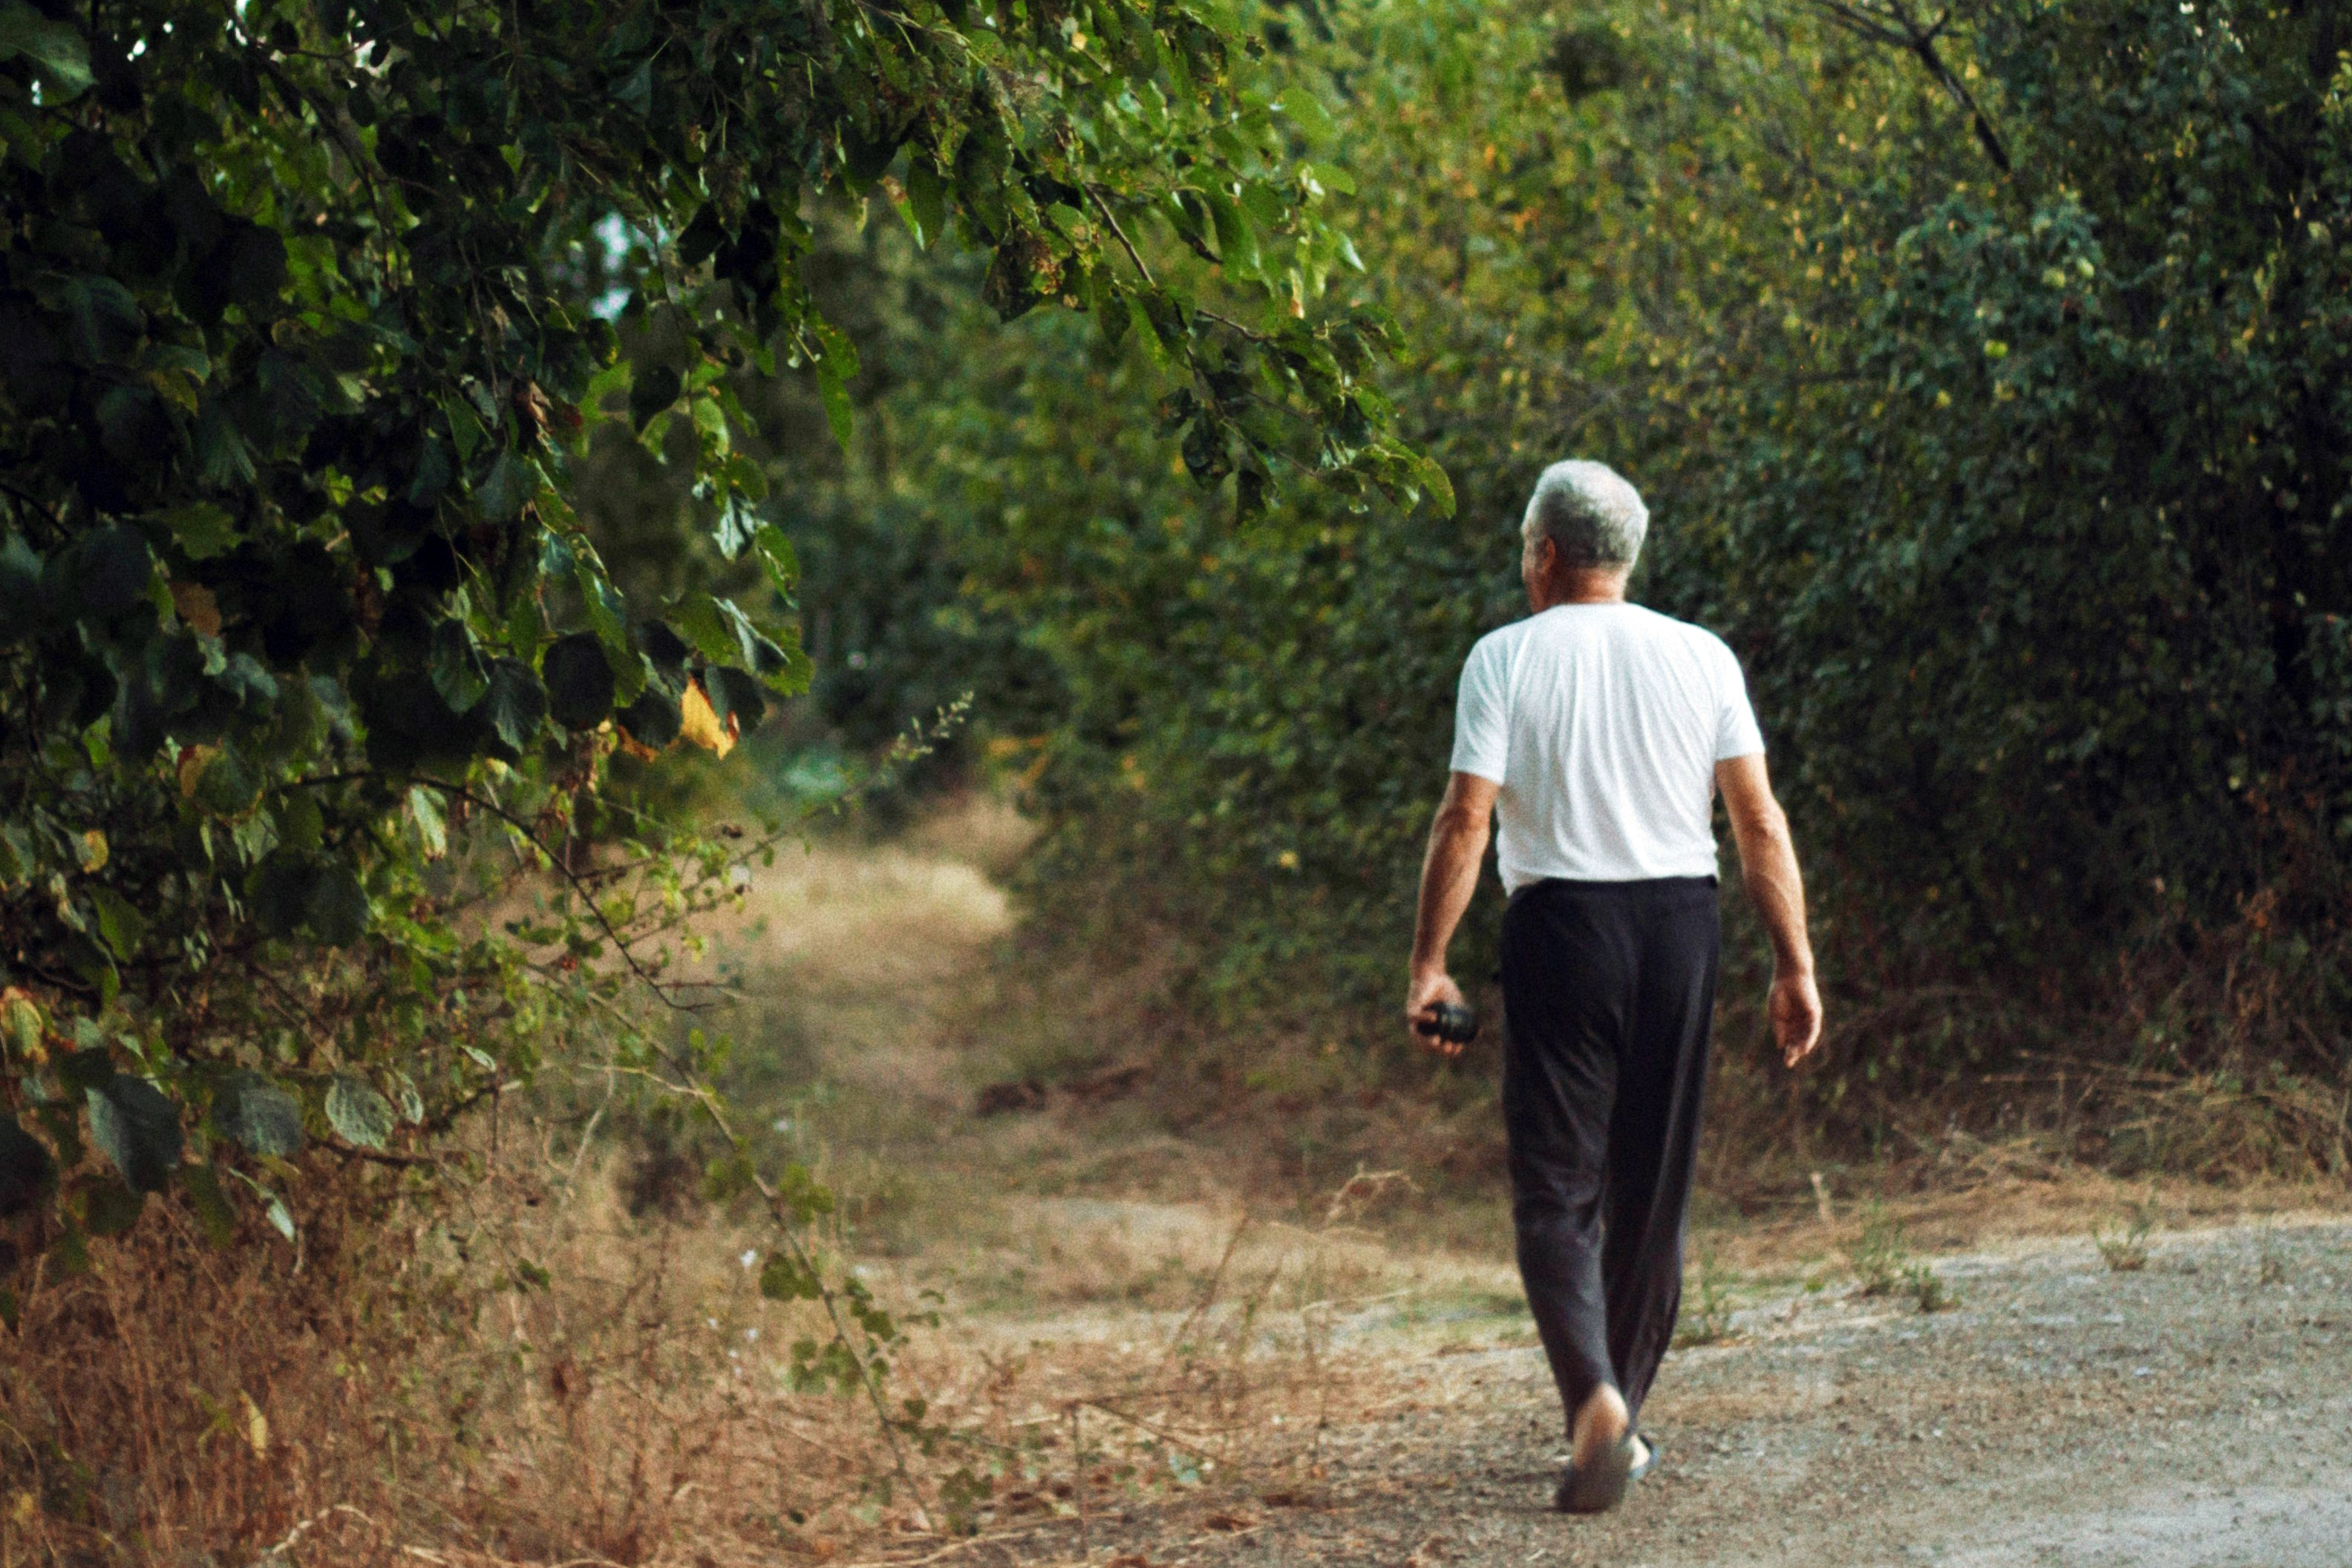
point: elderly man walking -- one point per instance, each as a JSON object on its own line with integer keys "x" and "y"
{"x": 1598, "y": 731}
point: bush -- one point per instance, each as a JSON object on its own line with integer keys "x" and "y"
{"x": 1996, "y": 435}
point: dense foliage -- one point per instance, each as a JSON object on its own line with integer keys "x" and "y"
{"x": 308, "y": 326}
{"x": 1985, "y": 376}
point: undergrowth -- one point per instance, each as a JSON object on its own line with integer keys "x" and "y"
{"x": 514, "y": 1368}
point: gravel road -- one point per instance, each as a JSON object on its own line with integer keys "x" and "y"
{"x": 2195, "y": 1414}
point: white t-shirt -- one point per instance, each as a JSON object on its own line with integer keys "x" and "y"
{"x": 1603, "y": 724}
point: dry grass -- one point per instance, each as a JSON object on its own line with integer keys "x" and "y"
{"x": 514, "y": 1372}
{"x": 1162, "y": 1283}
{"x": 150, "y": 1407}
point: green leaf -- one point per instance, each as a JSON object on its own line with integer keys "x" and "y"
{"x": 257, "y": 268}
{"x": 926, "y": 199}
{"x": 18, "y": 859}
{"x": 778, "y": 558}
{"x": 228, "y": 786}
{"x": 432, "y": 822}
{"x": 652, "y": 720}
{"x": 120, "y": 926}
{"x": 465, "y": 429}
{"x": 86, "y": 1069}
{"x": 274, "y": 1207}
{"x": 95, "y": 966}
{"x": 201, "y": 1185}
{"x": 607, "y": 614}
{"x": 224, "y": 457}
{"x": 1236, "y": 241}
{"x": 654, "y": 389}
{"x": 736, "y": 692}
{"x": 461, "y": 672}
{"x": 301, "y": 825}
{"x": 279, "y": 890}
{"x": 412, "y": 1104}
{"x": 512, "y": 483}
{"x": 358, "y": 1113}
{"x": 1304, "y": 110}
{"x": 137, "y": 1127}
{"x": 22, "y": 1024}
{"x": 737, "y": 523}
{"x": 258, "y": 1115}
{"x": 336, "y": 907}
{"x": 719, "y": 631}
{"x": 110, "y": 1209}
{"x": 26, "y": 1168}
{"x": 515, "y": 703}
{"x": 579, "y": 683}
{"x": 108, "y": 570}
{"x": 786, "y": 1278}
{"x": 21, "y": 602}
{"x": 205, "y": 531}
{"x": 58, "y": 48}
{"x": 1440, "y": 488}
{"x": 833, "y": 386}
{"x": 836, "y": 366}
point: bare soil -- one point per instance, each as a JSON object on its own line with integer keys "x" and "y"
{"x": 2191, "y": 1412}
{"x": 2194, "y": 1414}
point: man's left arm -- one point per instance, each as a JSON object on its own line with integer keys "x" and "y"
{"x": 1449, "y": 876}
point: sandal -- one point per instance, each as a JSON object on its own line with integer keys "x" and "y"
{"x": 1601, "y": 1488}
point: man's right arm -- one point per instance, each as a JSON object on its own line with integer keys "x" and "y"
{"x": 1767, "y": 865}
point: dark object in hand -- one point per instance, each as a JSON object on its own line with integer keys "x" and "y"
{"x": 1452, "y": 1022}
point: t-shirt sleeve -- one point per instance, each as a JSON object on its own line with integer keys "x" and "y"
{"x": 1482, "y": 715}
{"x": 1735, "y": 734}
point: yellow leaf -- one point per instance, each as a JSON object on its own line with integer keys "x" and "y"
{"x": 192, "y": 762}
{"x": 22, "y": 1026}
{"x": 256, "y": 1425}
{"x": 698, "y": 722}
{"x": 93, "y": 851}
{"x": 197, "y": 607}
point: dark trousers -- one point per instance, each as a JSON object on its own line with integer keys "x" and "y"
{"x": 1609, "y": 990}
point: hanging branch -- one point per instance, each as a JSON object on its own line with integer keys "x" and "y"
{"x": 1891, "y": 23}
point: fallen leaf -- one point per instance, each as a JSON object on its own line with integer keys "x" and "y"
{"x": 1231, "y": 1521}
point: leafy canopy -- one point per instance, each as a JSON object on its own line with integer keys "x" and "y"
{"x": 306, "y": 320}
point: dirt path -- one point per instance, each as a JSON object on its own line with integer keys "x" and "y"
{"x": 2194, "y": 1414}
{"x": 2189, "y": 1416}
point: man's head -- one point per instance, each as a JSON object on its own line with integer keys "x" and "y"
{"x": 1583, "y": 530}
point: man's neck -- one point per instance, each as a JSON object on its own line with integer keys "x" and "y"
{"x": 1582, "y": 587}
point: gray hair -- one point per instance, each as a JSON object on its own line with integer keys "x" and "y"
{"x": 1590, "y": 512}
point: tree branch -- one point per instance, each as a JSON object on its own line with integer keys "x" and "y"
{"x": 1896, "y": 27}
{"x": 1126, "y": 244}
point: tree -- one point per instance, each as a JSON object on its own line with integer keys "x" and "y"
{"x": 1985, "y": 376}
{"x": 303, "y": 331}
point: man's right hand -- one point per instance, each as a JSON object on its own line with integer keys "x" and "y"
{"x": 1796, "y": 1010}
{"x": 1428, "y": 988}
